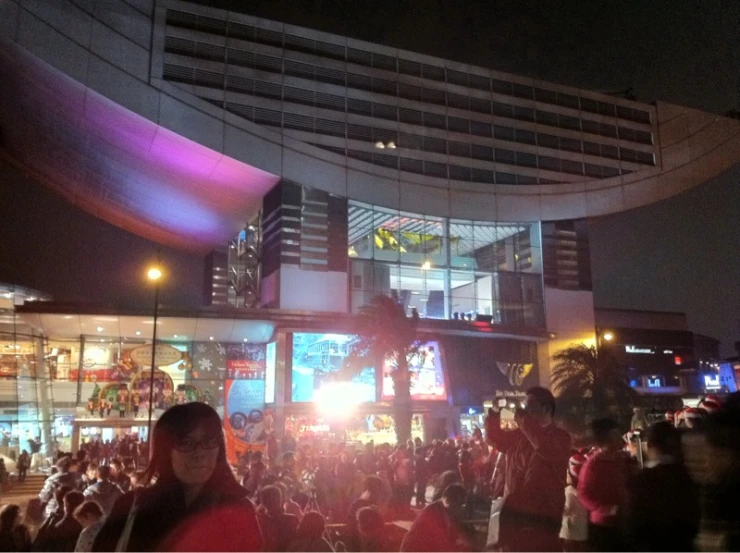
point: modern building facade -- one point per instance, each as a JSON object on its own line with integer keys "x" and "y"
{"x": 334, "y": 169}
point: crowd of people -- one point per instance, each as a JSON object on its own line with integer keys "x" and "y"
{"x": 640, "y": 491}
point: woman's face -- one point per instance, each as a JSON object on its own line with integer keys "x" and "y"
{"x": 194, "y": 457}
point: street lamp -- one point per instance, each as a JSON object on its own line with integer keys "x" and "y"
{"x": 154, "y": 274}
{"x": 608, "y": 336}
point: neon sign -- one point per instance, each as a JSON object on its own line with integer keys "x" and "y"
{"x": 636, "y": 349}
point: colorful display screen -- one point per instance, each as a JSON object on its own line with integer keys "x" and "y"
{"x": 427, "y": 376}
{"x": 320, "y": 369}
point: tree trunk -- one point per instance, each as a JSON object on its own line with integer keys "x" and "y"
{"x": 402, "y": 400}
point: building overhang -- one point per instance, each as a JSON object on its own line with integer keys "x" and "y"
{"x": 70, "y": 321}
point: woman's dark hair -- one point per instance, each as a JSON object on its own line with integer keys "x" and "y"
{"x": 88, "y": 508}
{"x": 311, "y": 526}
{"x": 171, "y": 428}
{"x": 8, "y": 514}
{"x": 73, "y": 500}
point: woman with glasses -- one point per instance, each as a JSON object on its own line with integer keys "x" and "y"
{"x": 191, "y": 500}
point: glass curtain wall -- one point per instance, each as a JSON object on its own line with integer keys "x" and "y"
{"x": 447, "y": 268}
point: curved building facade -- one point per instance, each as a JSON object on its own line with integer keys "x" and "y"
{"x": 319, "y": 170}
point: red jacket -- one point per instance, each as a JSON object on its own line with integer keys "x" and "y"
{"x": 602, "y": 487}
{"x": 536, "y": 465}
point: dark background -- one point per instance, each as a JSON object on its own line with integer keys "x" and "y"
{"x": 682, "y": 254}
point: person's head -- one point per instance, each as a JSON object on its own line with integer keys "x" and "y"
{"x": 453, "y": 499}
{"x": 663, "y": 439}
{"x": 188, "y": 448}
{"x": 311, "y": 526}
{"x": 64, "y": 464}
{"x": 370, "y": 522}
{"x": 60, "y": 492}
{"x": 10, "y": 517}
{"x": 103, "y": 472}
{"x": 256, "y": 457}
{"x": 695, "y": 417}
{"x": 72, "y": 500}
{"x": 575, "y": 464}
{"x": 540, "y": 405}
{"x": 138, "y": 479}
{"x": 301, "y": 499}
{"x": 117, "y": 466}
{"x": 605, "y": 433}
{"x": 449, "y": 477}
{"x": 372, "y": 488}
{"x": 88, "y": 513}
{"x": 271, "y": 498}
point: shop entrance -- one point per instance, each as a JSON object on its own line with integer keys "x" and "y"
{"x": 84, "y": 430}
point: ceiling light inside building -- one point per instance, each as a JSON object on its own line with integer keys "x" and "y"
{"x": 379, "y": 145}
{"x": 391, "y": 145}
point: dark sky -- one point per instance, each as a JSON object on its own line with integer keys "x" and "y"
{"x": 682, "y": 254}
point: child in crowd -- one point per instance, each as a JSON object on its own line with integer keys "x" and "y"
{"x": 574, "y": 531}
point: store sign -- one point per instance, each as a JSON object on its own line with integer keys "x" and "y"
{"x": 242, "y": 368}
{"x": 711, "y": 382}
{"x": 164, "y": 355}
{"x": 636, "y": 349}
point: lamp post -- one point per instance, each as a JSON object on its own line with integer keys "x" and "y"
{"x": 154, "y": 274}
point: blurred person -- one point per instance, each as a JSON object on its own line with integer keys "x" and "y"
{"x": 14, "y": 535}
{"x": 602, "y": 487}
{"x": 278, "y": 527}
{"x": 24, "y": 462}
{"x": 663, "y": 511}
{"x": 421, "y": 475}
{"x": 62, "y": 478}
{"x": 62, "y": 536}
{"x": 91, "y": 517}
{"x": 536, "y": 462}
{"x": 138, "y": 479}
{"x": 720, "y": 523}
{"x": 118, "y": 475}
{"x": 310, "y": 535}
{"x": 437, "y": 527}
{"x": 90, "y": 475}
{"x": 372, "y": 535}
{"x": 639, "y": 420}
{"x": 403, "y": 479}
{"x": 191, "y": 495}
{"x": 574, "y": 530}
{"x": 371, "y": 497}
{"x": 444, "y": 480}
{"x": 104, "y": 492}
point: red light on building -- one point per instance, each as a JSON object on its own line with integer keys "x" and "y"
{"x": 677, "y": 360}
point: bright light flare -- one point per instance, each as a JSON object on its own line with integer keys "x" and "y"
{"x": 154, "y": 273}
{"x": 339, "y": 400}
{"x": 608, "y": 336}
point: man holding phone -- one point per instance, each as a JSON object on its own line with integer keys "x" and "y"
{"x": 537, "y": 456}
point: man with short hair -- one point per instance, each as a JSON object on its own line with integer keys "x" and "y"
{"x": 118, "y": 475}
{"x": 105, "y": 492}
{"x": 62, "y": 478}
{"x": 437, "y": 528}
{"x": 537, "y": 456}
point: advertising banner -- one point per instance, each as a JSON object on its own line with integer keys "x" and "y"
{"x": 244, "y": 417}
{"x": 320, "y": 365}
{"x": 427, "y": 376}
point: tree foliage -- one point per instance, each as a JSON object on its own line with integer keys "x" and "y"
{"x": 385, "y": 332}
{"x": 581, "y": 371}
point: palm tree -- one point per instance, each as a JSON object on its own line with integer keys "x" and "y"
{"x": 582, "y": 372}
{"x": 385, "y": 332}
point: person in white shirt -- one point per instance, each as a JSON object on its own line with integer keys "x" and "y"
{"x": 574, "y": 530}
{"x": 91, "y": 518}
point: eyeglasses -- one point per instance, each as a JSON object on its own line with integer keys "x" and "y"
{"x": 187, "y": 445}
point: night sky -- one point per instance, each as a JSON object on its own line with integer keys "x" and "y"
{"x": 680, "y": 255}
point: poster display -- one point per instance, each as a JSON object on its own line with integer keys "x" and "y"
{"x": 245, "y": 423}
{"x": 427, "y": 376}
{"x": 380, "y": 429}
{"x": 320, "y": 363}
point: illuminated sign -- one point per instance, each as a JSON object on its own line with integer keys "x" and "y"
{"x": 711, "y": 382}
{"x": 427, "y": 376}
{"x": 668, "y": 351}
{"x": 654, "y": 382}
{"x": 165, "y": 355}
{"x": 636, "y": 349}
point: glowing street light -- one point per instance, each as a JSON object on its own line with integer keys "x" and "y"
{"x": 608, "y": 336}
{"x": 154, "y": 273}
